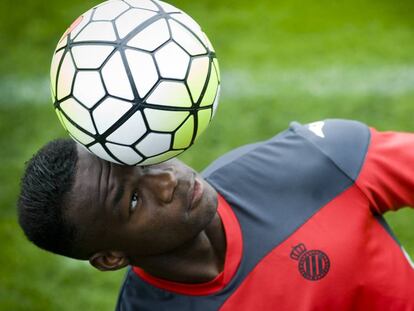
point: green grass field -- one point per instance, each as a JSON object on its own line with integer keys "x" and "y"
{"x": 280, "y": 61}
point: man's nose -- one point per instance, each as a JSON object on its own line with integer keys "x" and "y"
{"x": 162, "y": 182}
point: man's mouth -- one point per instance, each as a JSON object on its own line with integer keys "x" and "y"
{"x": 196, "y": 192}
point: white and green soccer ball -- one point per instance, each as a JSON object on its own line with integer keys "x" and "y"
{"x": 135, "y": 81}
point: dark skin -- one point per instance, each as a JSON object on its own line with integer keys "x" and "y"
{"x": 162, "y": 218}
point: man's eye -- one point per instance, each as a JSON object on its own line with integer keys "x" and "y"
{"x": 134, "y": 203}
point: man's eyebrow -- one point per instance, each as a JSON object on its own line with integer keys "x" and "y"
{"x": 118, "y": 194}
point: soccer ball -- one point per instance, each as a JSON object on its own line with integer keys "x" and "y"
{"x": 135, "y": 81}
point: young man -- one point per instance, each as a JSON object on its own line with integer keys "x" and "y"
{"x": 291, "y": 223}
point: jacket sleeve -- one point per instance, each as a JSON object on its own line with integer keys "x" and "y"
{"x": 387, "y": 174}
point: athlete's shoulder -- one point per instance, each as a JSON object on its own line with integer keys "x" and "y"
{"x": 250, "y": 153}
{"x": 345, "y": 142}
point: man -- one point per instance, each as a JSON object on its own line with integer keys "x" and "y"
{"x": 291, "y": 223}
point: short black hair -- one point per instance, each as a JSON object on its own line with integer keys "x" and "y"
{"x": 47, "y": 181}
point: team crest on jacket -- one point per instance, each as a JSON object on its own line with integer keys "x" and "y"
{"x": 313, "y": 265}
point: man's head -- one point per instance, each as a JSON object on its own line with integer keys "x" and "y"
{"x": 77, "y": 205}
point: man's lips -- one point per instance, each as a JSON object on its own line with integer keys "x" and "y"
{"x": 196, "y": 192}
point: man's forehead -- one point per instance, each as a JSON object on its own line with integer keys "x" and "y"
{"x": 86, "y": 159}
{"x": 88, "y": 173}
{"x": 90, "y": 166}
{"x": 88, "y": 192}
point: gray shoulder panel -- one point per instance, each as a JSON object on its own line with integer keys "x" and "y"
{"x": 229, "y": 157}
{"x": 344, "y": 141}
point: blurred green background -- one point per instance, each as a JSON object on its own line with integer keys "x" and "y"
{"x": 280, "y": 61}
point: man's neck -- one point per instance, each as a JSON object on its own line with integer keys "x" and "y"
{"x": 197, "y": 261}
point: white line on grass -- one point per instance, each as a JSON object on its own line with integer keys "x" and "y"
{"x": 338, "y": 80}
{"x": 32, "y": 90}
{"x": 322, "y": 82}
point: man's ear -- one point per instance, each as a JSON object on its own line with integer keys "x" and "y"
{"x": 109, "y": 261}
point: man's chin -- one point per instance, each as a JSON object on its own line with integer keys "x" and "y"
{"x": 208, "y": 204}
